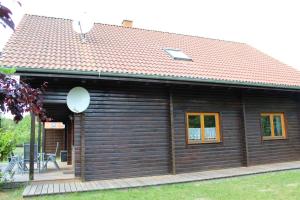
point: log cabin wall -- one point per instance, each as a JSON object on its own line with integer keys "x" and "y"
{"x": 52, "y": 136}
{"x": 269, "y": 151}
{"x": 198, "y": 157}
{"x": 127, "y": 132}
{"x": 127, "y": 128}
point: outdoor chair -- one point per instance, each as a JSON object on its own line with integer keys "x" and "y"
{"x": 7, "y": 173}
{"x": 26, "y": 158}
{"x": 19, "y": 160}
{"x": 51, "y": 157}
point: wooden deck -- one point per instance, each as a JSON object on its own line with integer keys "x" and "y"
{"x": 65, "y": 173}
{"x": 60, "y": 187}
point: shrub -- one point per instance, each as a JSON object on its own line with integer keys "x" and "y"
{"x": 20, "y": 130}
{"x": 7, "y": 143}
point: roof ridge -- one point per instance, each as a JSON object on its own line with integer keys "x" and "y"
{"x": 43, "y": 16}
{"x": 144, "y": 29}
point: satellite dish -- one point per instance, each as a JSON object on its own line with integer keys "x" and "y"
{"x": 82, "y": 25}
{"x": 78, "y": 99}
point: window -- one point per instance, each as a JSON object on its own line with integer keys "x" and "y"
{"x": 273, "y": 126}
{"x": 178, "y": 54}
{"x": 203, "y": 128}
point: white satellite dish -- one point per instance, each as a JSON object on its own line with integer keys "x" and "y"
{"x": 78, "y": 99}
{"x": 82, "y": 25}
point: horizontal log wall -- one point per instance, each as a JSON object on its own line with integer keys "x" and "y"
{"x": 127, "y": 132}
{"x": 259, "y": 151}
{"x": 127, "y": 128}
{"x": 52, "y": 136}
{"x": 197, "y": 157}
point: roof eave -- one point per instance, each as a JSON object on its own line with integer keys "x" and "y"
{"x": 156, "y": 77}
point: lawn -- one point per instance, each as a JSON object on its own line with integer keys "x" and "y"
{"x": 275, "y": 186}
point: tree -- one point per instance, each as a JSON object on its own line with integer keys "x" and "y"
{"x": 7, "y": 144}
{"x": 21, "y": 130}
{"x": 5, "y": 16}
{"x": 13, "y": 135}
{"x": 19, "y": 98}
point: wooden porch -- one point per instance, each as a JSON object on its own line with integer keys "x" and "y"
{"x": 66, "y": 172}
{"x": 60, "y": 186}
{"x": 53, "y": 138}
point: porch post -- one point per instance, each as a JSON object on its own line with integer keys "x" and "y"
{"x": 172, "y": 133}
{"x": 32, "y": 140}
{"x": 43, "y": 137}
{"x": 39, "y": 136}
{"x": 82, "y": 146}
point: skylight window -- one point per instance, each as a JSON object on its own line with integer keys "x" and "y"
{"x": 177, "y": 54}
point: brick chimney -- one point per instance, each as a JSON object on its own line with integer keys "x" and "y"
{"x": 127, "y": 23}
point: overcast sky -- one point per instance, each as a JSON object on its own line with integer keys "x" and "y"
{"x": 271, "y": 26}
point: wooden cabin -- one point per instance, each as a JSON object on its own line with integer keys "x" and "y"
{"x": 161, "y": 103}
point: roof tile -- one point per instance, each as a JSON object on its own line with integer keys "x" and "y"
{"x": 52, "y": 44}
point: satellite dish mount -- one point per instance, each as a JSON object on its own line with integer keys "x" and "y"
{"x": 83, "y": 25}
{"x": 82, "y": 35}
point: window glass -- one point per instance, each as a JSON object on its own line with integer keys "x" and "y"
{"x": 277, "y": 125}
{"x": 178, "y": 54}
{"x": 194, "y": 128}
{"x": 266, "y": 125}
{"x": 273, "y": 126}
{"x": 210, "y": 127}
{"x": 203, "y": 128}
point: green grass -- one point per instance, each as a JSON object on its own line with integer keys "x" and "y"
{"x": 275, "y": 186}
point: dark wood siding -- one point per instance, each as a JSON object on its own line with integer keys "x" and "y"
{"x": 77, "y": 145}
{"x": 199, "y": 157}
{"x": 52, "y": 136}
{"x": 127, "y": 128}
{"x": 259, "y": 151}
{"x": 127, "y": 132}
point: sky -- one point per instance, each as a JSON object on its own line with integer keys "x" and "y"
{"x": 271, "y": 26}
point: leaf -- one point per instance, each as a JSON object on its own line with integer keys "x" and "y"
{"x": 20, "y": 97}
{"x": 7, "y": 70}
{"x": 5, "y": 16}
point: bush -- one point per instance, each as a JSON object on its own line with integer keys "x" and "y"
{"x": 7, "y": 143}
{"x": 20, "y": 130}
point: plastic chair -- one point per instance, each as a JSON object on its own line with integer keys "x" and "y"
{"x": 7, "y": 173}
{"x": 26, "y": 158}
{"x": 51, "y": 157}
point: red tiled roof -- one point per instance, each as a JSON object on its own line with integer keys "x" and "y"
{"x": 51, "y": 43}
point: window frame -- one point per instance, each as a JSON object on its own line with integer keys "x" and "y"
{"x": 169, "y": 50}
{"x": 283, "y": 126}
{"x": 202, "y": 114}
